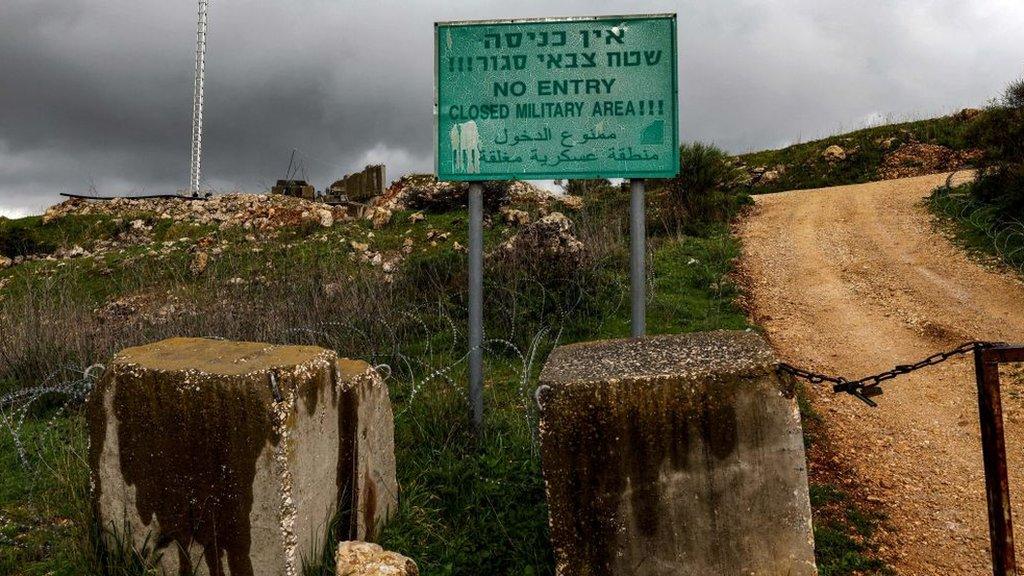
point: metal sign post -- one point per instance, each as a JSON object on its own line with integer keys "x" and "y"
{"x": 476, "y": 303}
{"x": 637, "y": 256}
{"x": 554, "y": 98}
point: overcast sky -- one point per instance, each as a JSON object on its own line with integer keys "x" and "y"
{"x": 98, "y": 92}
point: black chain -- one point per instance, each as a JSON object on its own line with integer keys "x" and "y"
{"x": 867, "y": 387}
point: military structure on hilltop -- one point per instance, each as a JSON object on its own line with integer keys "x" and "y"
{"x": 356, "y": 188}
{"x": 296, "y": 188}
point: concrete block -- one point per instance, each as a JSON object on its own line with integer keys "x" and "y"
{"x": 233, "y": 457}
{"x": 360, "y": 186}
{"x": 678, "y": 454}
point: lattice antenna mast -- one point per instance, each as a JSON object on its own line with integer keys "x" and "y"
{"x": 197, "y": 98}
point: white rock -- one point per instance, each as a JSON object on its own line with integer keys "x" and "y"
{"x": 571, "y": 202}
{"x": 326, "y": 217}
{"x": 834, "y": 152}
{"x": 365, "y": 559}
{"x": 380, "y": 217}
{"x": 514, "y": 216}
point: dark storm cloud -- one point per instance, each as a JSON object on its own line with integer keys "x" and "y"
{"x": 99, "y": 93}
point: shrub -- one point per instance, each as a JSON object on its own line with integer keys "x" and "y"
{"x": 1000, "y": 134}
{"x": 17, "y": 239}
{"x": 586, "y": 186}
{"x": 425, "y": 192}
{"x": 706, "y": 191}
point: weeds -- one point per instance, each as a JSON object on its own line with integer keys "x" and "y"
{"x": 987, "y": 215}
{"x": 804, "y": 166}
{"x": 706, "y": 192}
{"x": 469, "y": 505}
{"x": 843, "y": 529}
{"x": 981, "y": 227}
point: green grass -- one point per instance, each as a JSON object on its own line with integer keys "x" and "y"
{"x": 471, "y": 506}
{"x": 477, "y": 507}
{"x": 43, "y": 520}
{"x": 843, "y": 529}
{"x": 468, "y": 505}
{"x": 29, "y": 235}
{"x": 807, "y": 168}
{"x": 839, "y": 554}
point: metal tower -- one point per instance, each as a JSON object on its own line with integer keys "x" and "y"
{"x": 197, "y": 98}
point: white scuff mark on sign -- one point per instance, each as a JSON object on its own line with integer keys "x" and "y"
{"x": 465, "y": 140}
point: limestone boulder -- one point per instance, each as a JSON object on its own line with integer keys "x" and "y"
{"x": 571, "y": 202}
{"x": 834, "y": 153}
{"x": 365, "y": 559}
{"x": 515, "y": 216}
{"x": 967, "y": 114}
{"x": 547, "y": 242}
{"x": 325, "y": 216}
{"x": 379, "y": 217}
{"x": 234, "y": 457}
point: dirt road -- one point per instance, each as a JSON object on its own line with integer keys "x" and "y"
{"x": 853, "y": 280}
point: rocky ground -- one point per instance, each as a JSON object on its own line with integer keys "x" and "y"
{"x": 900, "y": 161}
{"x": 144, "y": 232}
{"x": 883, "y": 152}
{"x": 247, "y": 211}
{"x": 263, "y": 216}
{"x": 854, "y": 280}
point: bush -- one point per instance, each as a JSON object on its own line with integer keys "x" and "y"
{"x": 586, "y": 186}
{"x": 425, "y": 192}
{"x": 1000, "y": 134}
{"x": 706, "y": 191}
{"x": 17, "y": 239}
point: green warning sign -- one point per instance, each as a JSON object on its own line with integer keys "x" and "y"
{"x": 557, "y": 98}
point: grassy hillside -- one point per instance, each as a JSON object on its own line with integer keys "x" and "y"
{"x": 878, "y": 153}
{"x": 83, "y": 284}
{"x": 393, "y": 295}
{"x": 987, "y": 214}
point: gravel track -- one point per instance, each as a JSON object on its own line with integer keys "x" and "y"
{"x": 853, "y": 280}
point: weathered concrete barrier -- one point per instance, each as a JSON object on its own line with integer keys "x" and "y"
{"x": 678, "y": 455}
{"x": 233, "y": 457}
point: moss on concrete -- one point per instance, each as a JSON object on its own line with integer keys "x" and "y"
{"x": 196, "y": 480}
{"x": 630, "y": 426}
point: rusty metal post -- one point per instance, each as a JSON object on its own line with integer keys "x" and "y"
{"x": 993, "y": 444}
